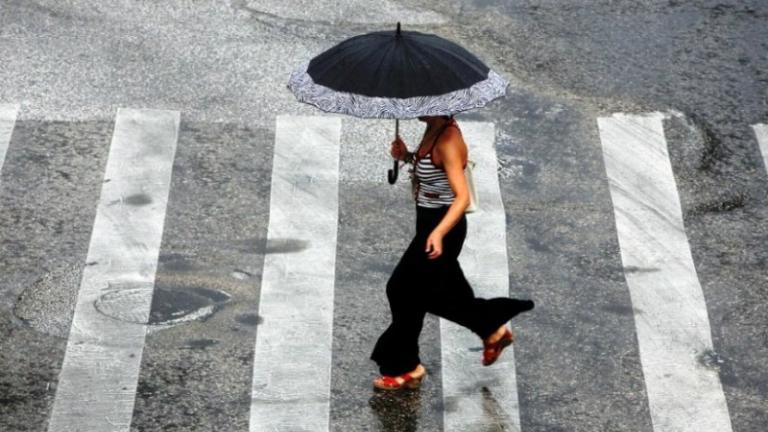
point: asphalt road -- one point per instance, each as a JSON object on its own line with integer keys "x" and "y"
{"x": 70, "y": 66}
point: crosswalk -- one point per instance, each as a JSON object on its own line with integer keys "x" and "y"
{"x": 670, "y": 313}
{"x": 292, "y": 360}
{"x": 98, "y": 378}
{"x": 292, "y": 363}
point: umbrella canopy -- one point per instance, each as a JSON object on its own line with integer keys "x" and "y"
{"x": 396, "y": 74}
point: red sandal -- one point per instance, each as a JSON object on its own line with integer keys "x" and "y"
{"x": 492, "y": 351}
{"x": 390, "y": 382}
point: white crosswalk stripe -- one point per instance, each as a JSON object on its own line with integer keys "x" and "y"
{"x": 484, "y": 262}
{"x": 98, "y": 378}
{"x": 670, "y": 314}
{"x": 292, "y": 359}
{"x": 761, "y": 132}
{"x": 8, "y": 114}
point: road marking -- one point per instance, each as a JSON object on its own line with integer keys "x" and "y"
{"x": 761, "y": 132}
{"x": 477, "y": 397}
{"x": 98, "y": 378}
{"x": 8, "y": 113}
{"x": 670, "y": 314}
{"x": 292, "y": 359}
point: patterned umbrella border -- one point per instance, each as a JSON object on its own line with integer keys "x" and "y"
{"x": 330, "y": 100}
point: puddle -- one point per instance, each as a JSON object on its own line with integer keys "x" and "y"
{"x": 250, "y": 319}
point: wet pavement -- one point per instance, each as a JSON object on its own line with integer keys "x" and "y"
{"x": 223, "y": 66}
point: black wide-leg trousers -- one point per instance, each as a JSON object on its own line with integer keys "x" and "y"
{"x": 419, "y": 285}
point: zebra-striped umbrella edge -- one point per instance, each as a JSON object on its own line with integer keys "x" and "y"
{"x": 330, "y": 100}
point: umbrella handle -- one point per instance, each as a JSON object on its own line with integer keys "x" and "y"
{"x": 392, "y": 174}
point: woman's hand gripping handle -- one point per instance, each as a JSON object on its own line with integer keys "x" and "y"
{"x": 400, "y": 152}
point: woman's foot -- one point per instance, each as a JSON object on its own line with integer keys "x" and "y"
{"x": 494, "y": 344}
{"x": 498, "y": 334}
{"x": 410, "y": 379}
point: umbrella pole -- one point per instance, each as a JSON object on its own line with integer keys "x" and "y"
{"x": 392, "y": 174}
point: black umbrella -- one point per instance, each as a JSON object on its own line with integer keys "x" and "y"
{"x": 396, "y": 74}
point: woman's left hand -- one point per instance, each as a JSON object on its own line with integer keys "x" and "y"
{"x": 434, "y": 245}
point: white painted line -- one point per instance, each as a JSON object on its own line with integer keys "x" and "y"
{"x": 97, "y": 383}
{"x": 292, "y": 359}
{"x": 671, "y": 318}
{"x": 761, "y": 132}
{"x": 477, "y": 397}
{"x": 8, "y": 115}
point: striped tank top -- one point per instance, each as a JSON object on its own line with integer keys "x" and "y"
{"x": 432, "y": 187}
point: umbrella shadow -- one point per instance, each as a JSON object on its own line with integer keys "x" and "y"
{"x": 396, "y": 411}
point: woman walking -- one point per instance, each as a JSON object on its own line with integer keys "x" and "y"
{"x": 428, "y": 277}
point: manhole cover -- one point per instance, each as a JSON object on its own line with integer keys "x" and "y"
{"x": 170, "y": 305}
{"x": 48, "y": 304}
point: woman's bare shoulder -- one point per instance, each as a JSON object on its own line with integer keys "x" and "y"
{"x": 450, "y": 139}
